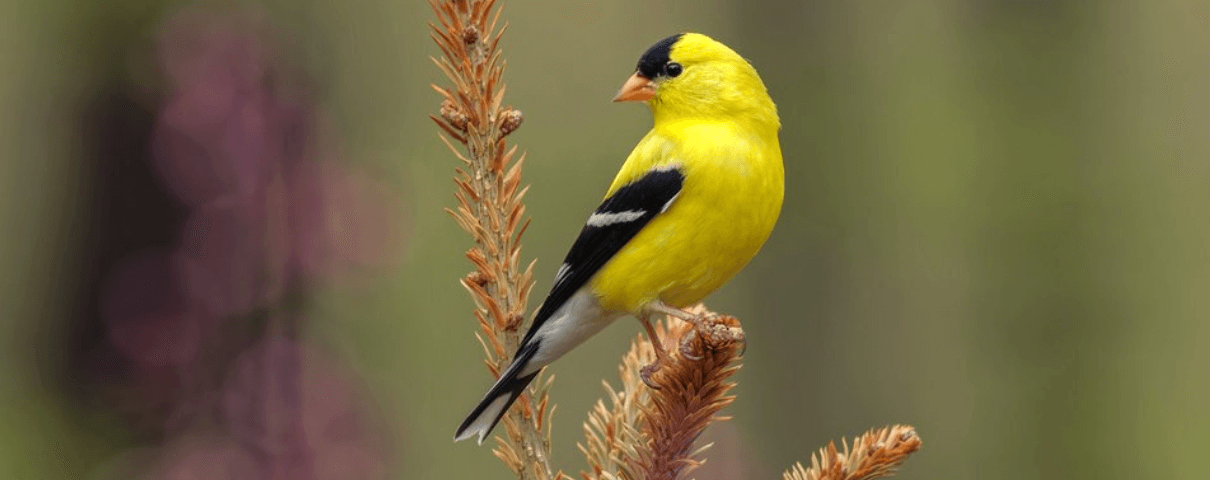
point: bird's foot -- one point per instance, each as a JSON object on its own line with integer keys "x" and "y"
{"x": 647, "y": 371}
{"x": 687, "y": 350}
{"x": 714, "y": 329}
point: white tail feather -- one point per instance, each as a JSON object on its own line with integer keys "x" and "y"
{"x": 482, "y": 424}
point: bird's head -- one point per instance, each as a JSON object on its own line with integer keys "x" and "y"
{"x": 690, "y": 75}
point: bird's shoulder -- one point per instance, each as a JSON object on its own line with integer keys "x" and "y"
{"x": 693, "y": 145}
{"x": 700, "y": 148}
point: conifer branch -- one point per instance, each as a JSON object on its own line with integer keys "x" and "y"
{"x": 651, "y": 434}
{"x": 491, "y": 210}
{"x": 875, "y": 454}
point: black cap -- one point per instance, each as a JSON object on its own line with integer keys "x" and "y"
{"x": 652, "y": 62}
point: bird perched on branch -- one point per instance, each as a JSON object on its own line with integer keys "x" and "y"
{"x": 691, "y": 206}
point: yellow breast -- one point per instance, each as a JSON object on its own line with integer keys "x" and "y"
{"x": 727, "y": 207}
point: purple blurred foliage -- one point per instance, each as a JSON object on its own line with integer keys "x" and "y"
{"x": 292, "y": 402}
{"x": 205, "y": 457}
{"x": 340, "y": 223}
{"x": 210, "y": 330}
{"x": 229, "y": 256}
{"x": 149, "y": 321}
{"x": 220, "y": 131}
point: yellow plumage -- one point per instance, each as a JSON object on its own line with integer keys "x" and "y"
{"x": 691, "y": 206}
{"x": 718, "y": 122}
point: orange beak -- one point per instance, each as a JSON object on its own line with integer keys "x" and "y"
{"x": 636, "y": 89}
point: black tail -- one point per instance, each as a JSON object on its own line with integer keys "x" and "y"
{"x": 492, "y": 408}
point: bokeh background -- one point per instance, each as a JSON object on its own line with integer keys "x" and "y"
{"x": 224, "y": 256}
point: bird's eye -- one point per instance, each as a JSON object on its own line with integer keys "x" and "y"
{"x": 673, "y": 69}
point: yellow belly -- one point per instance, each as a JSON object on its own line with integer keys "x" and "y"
{"x": 728, "y": 205}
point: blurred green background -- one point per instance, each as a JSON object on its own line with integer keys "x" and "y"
{"x": 995, "y": 225}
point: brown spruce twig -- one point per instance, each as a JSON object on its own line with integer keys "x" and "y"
{"x": 612, "y": 434}
{"x": 647, "y": 434}
{"x": 650, "y": 434}
{"x": 490, "y": 209}
{"x": 875, "y": 454}
{"x": 692, "y": 391}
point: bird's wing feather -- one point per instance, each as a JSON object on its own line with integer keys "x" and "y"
{"x": 619, "y": 218}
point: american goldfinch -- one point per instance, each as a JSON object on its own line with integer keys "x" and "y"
{"x": 691, "y": 206}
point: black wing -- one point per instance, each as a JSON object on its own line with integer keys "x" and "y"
{"x": 619, "y": 218}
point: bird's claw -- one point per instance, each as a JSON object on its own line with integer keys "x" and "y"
{"x": 716, "y": 332}
{"x": 647, "y": 371}
{"x": 735, "y": 335}
{"x": 687, "y": 349}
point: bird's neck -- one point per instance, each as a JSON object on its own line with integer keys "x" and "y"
{"x": 756, "y": 112}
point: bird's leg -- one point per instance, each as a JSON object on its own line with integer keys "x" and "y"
{"x": 707, "y": 326}
{"x": 686, "y": 347}
{"x": 660, "y": 355}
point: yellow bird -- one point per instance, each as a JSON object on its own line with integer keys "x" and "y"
{"x": 694, "y": 202}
